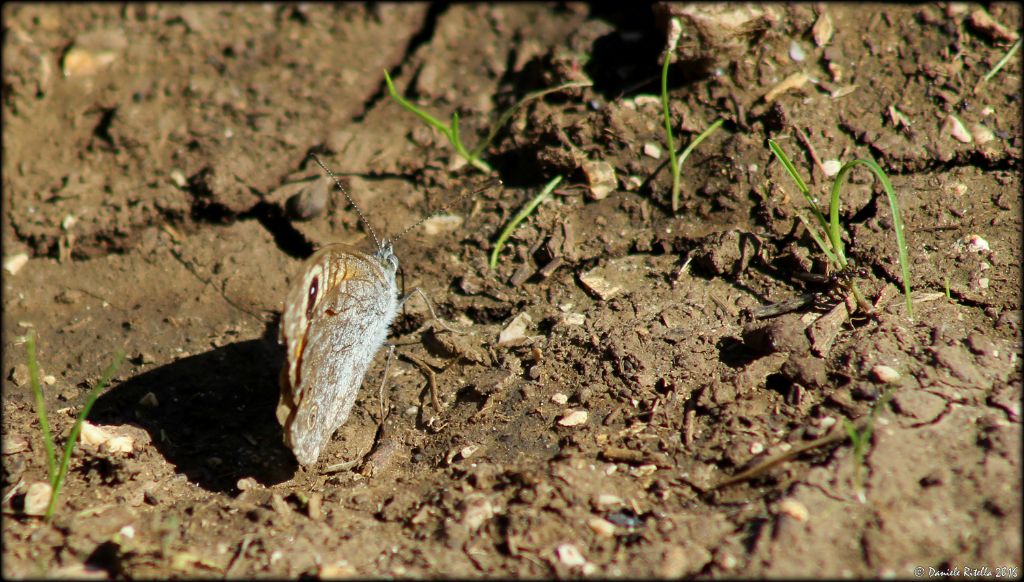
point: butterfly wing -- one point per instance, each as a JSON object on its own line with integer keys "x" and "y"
{"x": 344, "y": 328}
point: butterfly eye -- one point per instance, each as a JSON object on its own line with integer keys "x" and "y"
{"x": 314, "y": 288}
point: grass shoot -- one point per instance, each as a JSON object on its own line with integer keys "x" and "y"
{"x": 544, "y": 194}
{"x": 861, "y": 439}
{"x": 57, "y": 474}
{"x": 832, "y": 242}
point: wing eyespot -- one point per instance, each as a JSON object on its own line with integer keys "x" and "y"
{"x": 314, "y": 290}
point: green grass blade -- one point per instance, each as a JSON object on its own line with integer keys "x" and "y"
{"x": 37, "y": 391}
{"x": 1002, "y": 62}
{"x": 811, "y": 230}
{"x": 696, "y": 141}
{"x": 94, "y": 394}
{"x": 520, "y": 216}
{"x": 504, "y": 117}
{"x": 450, "y": 131}
{"x": 670, "y": 141}
{"x": 898, "y": 226}
{"x": 800, "y": 184}
{"x": 426, "y": 117}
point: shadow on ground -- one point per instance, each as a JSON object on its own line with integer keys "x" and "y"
{"x": 212, "y": 417}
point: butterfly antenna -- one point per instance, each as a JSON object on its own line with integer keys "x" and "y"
{"x": 492, "y": 183}
{"x": 359, "y": 212}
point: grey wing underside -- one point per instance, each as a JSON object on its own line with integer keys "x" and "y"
{"x": 341, "y": 344}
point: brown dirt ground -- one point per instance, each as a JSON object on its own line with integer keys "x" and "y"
{"x": 147, "y": 188}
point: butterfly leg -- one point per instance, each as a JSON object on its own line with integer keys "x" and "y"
{"x": 430, "y": 306}
{"x": 383, "y": 381}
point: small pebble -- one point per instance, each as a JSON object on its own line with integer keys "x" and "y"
{"x": 796, "y": 52}
{"x": 149, "y": 401}
{"x": 118, "y": 444}
{"x": 601, "y": 178}
{"x": 831, "y": 167}
{"x": 441, "y": 223}
{"x": 976, "y": 244}
{"x": 756, "y": 449}
{"x": 955, "y": 128}
{"x": 885, "y": 374}
{"x": 599, "y": 286}
{"x": 559, "y": 398}
{"x": 14, "y": 444}
{"x": 19, "y": 375}
{"x": 14, "y": 263}
{"x": 602, "y": 527}
{"x": 37, "y": 498}
{"x": 315, "y": 506}
{"x": 515, "y": 332}
{"x": 822, "y": 30}
{"x": 794, "y": 509}
{"x": 574, "y": 418}
{"x": 247, "y": 483}
{"x": 652, "y": 150}
{"x": 92, "y": 435}
{"x": 570, "y": 555}
{"x": 981, "y": 133}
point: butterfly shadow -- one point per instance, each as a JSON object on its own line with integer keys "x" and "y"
{"x": 212, "y": 415}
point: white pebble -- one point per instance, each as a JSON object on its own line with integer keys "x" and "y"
{"x": 955, "y": 128}
{"x": 831, "y": 167}
{"x": 574, "y": 418}
{"x": 37, "y": 498}
{"x": 796, "y": 52}
{"x": 794, "y": 509}
{"x": 559, "y": 398}
{"x": 602, "y": 527}
{"x": 976, "y": 244}
{"x": 570, "y": 555}
{"x": 652, "y": 150}
{"x": 756, "y": 449}
{"x": 885, "y": 374}
{"x": 14, "y": 263}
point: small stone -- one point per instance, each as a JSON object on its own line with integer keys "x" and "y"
{"x": 756, "y": 449}
{"x": 559, "y": 398}
{"x": 822, "y": 30}
{"x": 607, "y": 500}
{"x": 338, "y": 570}
{"x": 441, "y": 223}
{"x": 574, "y": 318}
{"x": 885, "y": 374}
{"x": 981, "y": 133}
{"x": 478, "y": 511}
{"x": 118, "y": 444}
{"x": 600, "y": 177}
{"x": 49, "y": 379}
{"x": 794, "y": 509}
{"x": 831, "y": 167}
{"x": 602, "y": 527}
{"x": 14, "y": 263}
{"x": 570, "y": 555}
{"x": 796, "y": 52}
{"x": 976, "y": 244}
{"x": 92, "y": 435}
{"x": 314, "y": 508}
{"x": 652, "y": 150}
{"x": 14, "y": 443}
{"x": 93, "y": 52}
{"x": 955, "y": 128}
{"x": 599, "y": 286}
{"x": 149, "y": 401}
{"x": 247, "y": 484}
{"x": 574, "y": 418}
{"x": 310, "y": 201}
{"x": 515, "y": 332}
{"x": 37, "y": 498}
{"x": 19, "y": 375}
{"x": 178, "y": 178}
